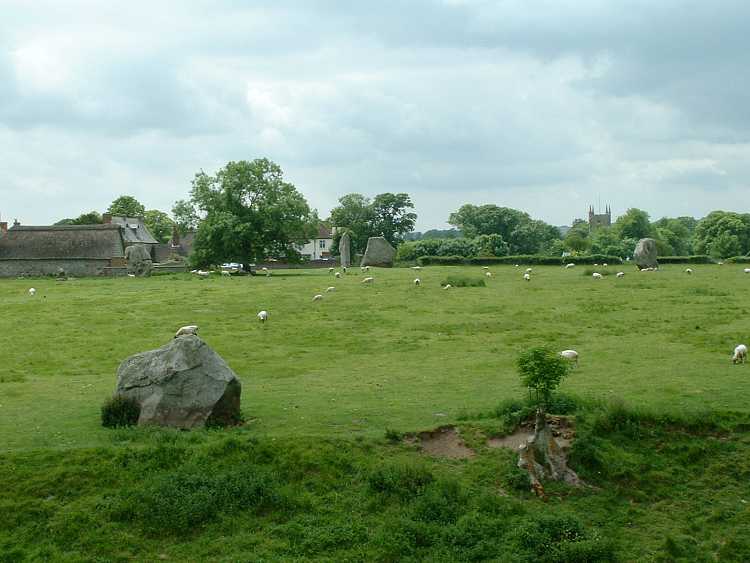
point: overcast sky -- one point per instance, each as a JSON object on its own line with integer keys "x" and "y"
{"x": 546, "y": 106}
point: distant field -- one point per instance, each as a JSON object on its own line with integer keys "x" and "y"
{"x": 369, "y": 358}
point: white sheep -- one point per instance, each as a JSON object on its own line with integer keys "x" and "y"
{"x": 264, "y": 269}
{"x": 225, "y": 273}
{"x": 620, "y": 274}
{"x": 337, "y": 275}
{"x": 263, "y": 316}
{"x": 368, "y": 280}
{"x": 596, "y": 263}
{"x": 740, "y": 354}
{"x": 527, "y": 276}
{"x": 570, "y": 355}
{"x": 417, "y": 282}
{"x": 604, "y": 265}
{"x": 597, "y": 276}
{"x": 330, "y": 270}
{"x": 317, "y": 297}
{"x": 688, "y": 271}
{"x": 515, "y": 265}
{"x": 131, "y": 275}
{"x": 330, "y": 289}
{"x": 528, "y": 270}
{"x": 185, "y": 330}
{"x": 343, "y": 268}
{"x": 447, "y": 286}
{"x": 32, "y": 291}
{"x": 570, "y": 265}
{"x": 485, "y": 267}
{"x": 203, "y": 274}
{"x": 746, "y": 270}
{"x": 488, "y": 274}
{"x": 416, "y": 267}
{"x": 367, "y": 268}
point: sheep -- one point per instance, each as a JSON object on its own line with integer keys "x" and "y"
{"x": 688, "y": 271}
{"x": 447, "y": 286}
{"x": 317, "y": 297}
{"x": 416, "y": 267}
{"x": 225, "y": 273}
{"x": 488, "y": 274}
{"x": 604, "y": 265}
{"x": 570, "y": 265}
{"x": 367, "y": 268}
{"x": 131, "y": 275}
{"x": 740, "y": 354}
{"x": 343, "y": 268}
{"x": 417, "y": 282}
{"x": 597, "y": 276}
{"x": 515, "y": 265}
{"x": 264, "y": 269}
{"x": 528, "y": 270}
{"x": 596, "y": 263}
{"x": 32, "y": 291}
{"x": 746, "y": 270}
{"x": 337, "y": 275}
{"x": 527, "y": 277}
{"x": 203, "y": 274}
{"x": 186, "y": 330}
{"x": 263, "y": 316}
{"x": 570, "y": 355}
{"x": 330, "y": 289}
{"x": 368, "y": 280}
{"x": 620, "y": 274}
{"x": 485, "y": 267}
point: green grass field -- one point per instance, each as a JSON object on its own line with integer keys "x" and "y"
{"x": 322, "y": 382}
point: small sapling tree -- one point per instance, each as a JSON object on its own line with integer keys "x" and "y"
{"x": 541, "y": 371}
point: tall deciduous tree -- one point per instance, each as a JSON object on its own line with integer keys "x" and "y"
{"x": 723, "y": 234}
{"x": 159, "y": 224}
{"x": 126, "y": 205}
{"x": 90, "y": 218}
{"x": 391, "y": 216}
{"x": 185, "y": 216}
{"x": 633, "y": 224}
{"x": 251, "y": 214}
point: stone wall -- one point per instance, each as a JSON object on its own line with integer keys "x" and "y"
{"x": 44, "y": 267}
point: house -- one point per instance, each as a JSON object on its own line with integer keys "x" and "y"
{"x": 78, "y": 250}
{"x": 319, "y": 248}
{"x": 179, "y": 245}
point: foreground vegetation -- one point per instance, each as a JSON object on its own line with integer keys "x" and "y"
{"x": 312, "y": 476}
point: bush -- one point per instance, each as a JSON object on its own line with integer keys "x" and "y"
{"x": 738, "y": 260}
{"x": 463, "y": 281}
{"x": 402, "y": 480}
{"x": 541, "y": 370}
{"x": 603, "y": 271}
{"x": 120, "y": 411}
{"x": 521, "y": 259}
{"x": 697, "y": 259}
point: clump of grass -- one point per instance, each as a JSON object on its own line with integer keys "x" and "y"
{"x": 603, "y": 271}
{"x": 463, "y": 281}
{"x": 402, "y": 480}
{"x": 120, "y": 411}
{"x": 393, "y": 436}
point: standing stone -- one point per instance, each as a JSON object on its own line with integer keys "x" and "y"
{"x": 645, "y": 254}
{"x": 345, "y": 250}
{"x": 184, "y": 384}
{"x": 138, "y": 259}
{"x": 379, "y": 253}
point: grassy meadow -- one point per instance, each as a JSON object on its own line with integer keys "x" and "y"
{"x": 323, "y": 382}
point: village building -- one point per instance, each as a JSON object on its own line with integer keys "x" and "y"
{"x": 77, "y": 250}
{"x": 179, "y": 246}
{"x": 319, "y": 248}
{"x": 597, "y": 220}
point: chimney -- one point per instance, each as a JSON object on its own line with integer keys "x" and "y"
{"x": 175, "y": 236}
{"x": 16, "y": 223}
{"x": 3, "y": 228}
{"x": 106, "y": 218}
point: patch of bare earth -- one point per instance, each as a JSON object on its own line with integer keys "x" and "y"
{"x": 563, "y": 430}
{"x": 442, "y": 442}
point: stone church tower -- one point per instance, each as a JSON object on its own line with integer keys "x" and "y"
{"x": 599, "y": 220}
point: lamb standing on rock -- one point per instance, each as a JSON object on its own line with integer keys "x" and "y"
{"x": 740, "y": 354}
{"x": 189, "y": 329}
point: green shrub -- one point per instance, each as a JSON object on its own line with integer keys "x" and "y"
{"x": 696, "y": 259}
{"x": 523, "y": 259}
{"x": 442, "y": 502}
{"x": 120, "y": 411}
{"x": 736, "y": 260}
{"x": 541, "y": 371}
{"x": 559, "y": 537}
{"x": 463, "y": 281}
{"x": 393, "y": 436}
{"x": 403, "y": 480}
{"x": 603, "y": 271}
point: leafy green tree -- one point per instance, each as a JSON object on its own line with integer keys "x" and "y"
{"x": 723, "y": 234}
{"x": 159, "y": 224}
{"x": 355, "y": 214}
{"x": 90, "y": 218}
{"x": 185, "y": 216}
{"x": 490, "y": 245}
{"x": 391, "y": 217}
{"x": 251, "y": 214}
{"x": 532, "y": 237}
{"x": 488, "y": 219}
{"x": 606, "y": 241}
{"x": 126, "y": 206}
{"x": 541, "y": 371}
{"x": 634, "y": 223}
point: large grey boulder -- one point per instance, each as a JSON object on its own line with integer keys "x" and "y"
{"x": 645, "y": 254}
{"x": 138, "y": 259}
{"x": 184, "y": 384}
{"x": 379, "y": 253}
{"x": 345, "y": 250}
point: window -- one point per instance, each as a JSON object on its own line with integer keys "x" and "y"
{"x": 322, "y": 244}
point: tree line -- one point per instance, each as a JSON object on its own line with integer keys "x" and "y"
{"x": 247, "y": 212}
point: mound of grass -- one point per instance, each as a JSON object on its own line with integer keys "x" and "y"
{"x": 120, "y": 411}
{"x": 601, "y": 269}
{"x": 463, "y": 281}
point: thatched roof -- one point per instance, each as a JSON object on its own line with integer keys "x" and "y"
{"x": 134, "y": 230}
{"x": 62, "y": 242}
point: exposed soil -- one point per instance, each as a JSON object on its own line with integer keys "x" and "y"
{"x": 442, "y": 442}
{"x": 562, "y": 427}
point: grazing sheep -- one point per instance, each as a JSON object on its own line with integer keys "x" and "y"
{"x": 620, "y": 274}
{"x": 203, "y": 274}
{"x": 527, "y": 277}
{"x": 417, "y": 282}
{"x": 597, "y": 276}
{"x": 746, "y": 270}
{"x": 485, "y": 267}
{"x": 225, "y": 273}
{"x": 447, "y": 286}
{"x": 515, "y": 265}
{"x": 528, "y": 270}
{"x": 367, "y": 268}
{"x": 343, "y": 268}
{"x": 337, "y": 275}
{"x": 330, "y": 270}
{"x": 570, "y": 355}
{"x": 368, "y": 280}
{"x": 317, "y": 297}
{"x": 131, "y": 275}
{"x": 688, "y": 271}
{"x": 416, "y": 267}
{"x": 488, "y": 274}
{"x": 604, "y": 265}
{"x": 330, "y": 289}
{"x": 32, "y": 291}
{"x": 263, "y": 316}
{"x": 740, "y": 354}
{"x": 264, "y": 269}
{"x": 596, "y": 263}
{"x": 185, "y": 330}
{"x": 568, "y": 266}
